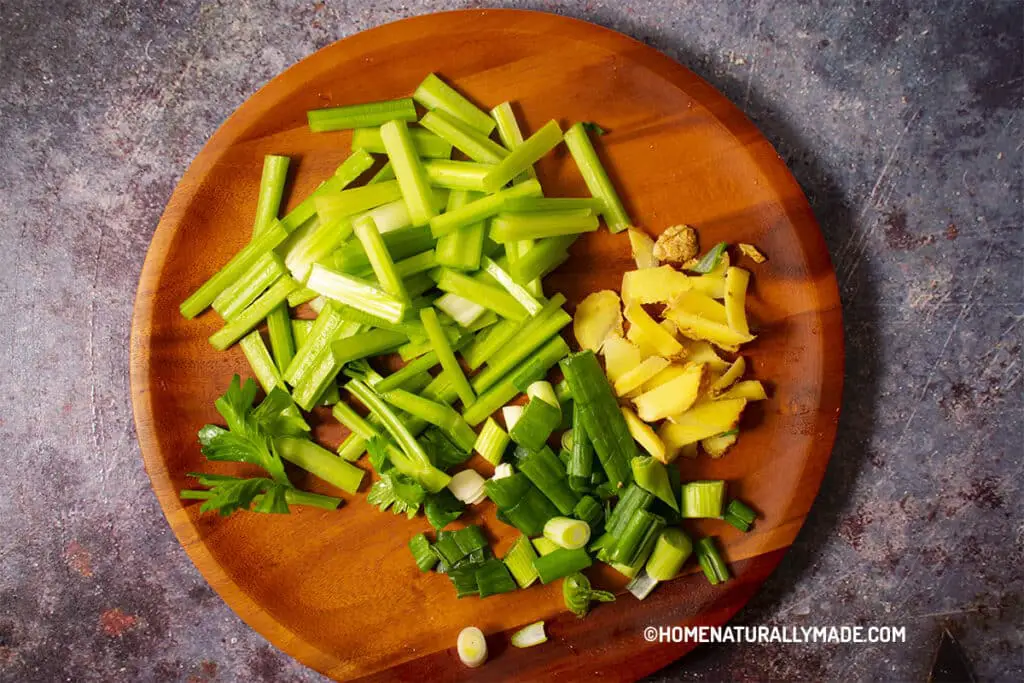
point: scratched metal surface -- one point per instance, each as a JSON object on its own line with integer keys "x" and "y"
{"x": 902, "y": 122}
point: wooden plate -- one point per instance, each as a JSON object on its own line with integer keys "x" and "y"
{"x": 337, "y": 590}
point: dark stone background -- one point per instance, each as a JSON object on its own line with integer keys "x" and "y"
{"x": 902, "y": 121}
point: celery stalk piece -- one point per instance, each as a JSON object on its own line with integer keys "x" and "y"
{"x": 237, "y": 327}
{"x": 462, "y": 311}
{"x": 321, "y": 462}
{"x": 386, "y": 172}
{"x": 439, "y": 342}
{"x": 380, "y": 260}
{"x": 391, "y": 216}
{"x": 356, "y": 293}
{"x": 263, "y": 273}
{"x": 427, "y": 145}
{"x": 312, "y": 336}
{"x": 301, "y": 296}
{"x": 437, "y": 414}
{"x": 412, "y": 179}
{"x": 260, "y": 361}
{"x": 492, "y": 442}
{"x": 524, "y": 156}
{"x": 353, "y": 421}
{"x": 354, "y": 166}
{"x": 488, "y": 296}
{"x": 489, "y": 341}
{"x": 525, "y": 299}
{"x": 474, "y": 144}
{"x": 268, "y": 202}
{"x": 361, "y": 115}
{"x": 357, "y": 200}
{"x": 511, "y": 136}
{"x": 534, "y": 204}
{"x": 479, "y": 209}
{"x": 402, "y": 377}
{"x": 457, "y": 175}
{"x": 310, "y": 386}
{"x": 461, "y": 249}
{"x": 352, "y": 258}
{"x": 365, "y": 344}
{"x": 234, "y": 269}
{"x": 530, "y": 337}
{"x": 512, "y": 227}
{"x": 435, "y": 94}
{"x": 596, "y": 178}
{"x": 314, "y": 244}
{"x": 408, "y": 328}
{"x": 279, "y": 329}
{"x": 546, "y": 255}
{"x": 420, "y": 263}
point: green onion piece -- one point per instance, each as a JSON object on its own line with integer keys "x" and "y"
{"x": 279, "y": 329}
{"x": 709, "y": 261}
{"x": 637, "y": 540}
{"x": 601, "y": 416}
{"x": 577, "y": 594}
{"x": 703, "y": 499}
{"x": 739, "y": 514}
{"x": 380, "y": 260}
{"x": 233, "y": 270}
{"x": 510, "y": 135}
{"x": 519, "y": 560}
{"x": 590, "y": 511}
{"x": 581, "y": 460}
{"x": 427, "y": 144}
{"x": 356, "y": 293}
{"x": 442, "y": 508}
{"x": 670, "y": 553}
{"x": 352, "y": 258}
{"x": 531, "y": 635}
{"x": 491, "y": 442}
{"x": 567, "y": 442}
{"x": 260, "y": 361}
{"x": 642, "y": 584}
{"x": 561, "y": 563}
{"x": 435, "y": 94}
{"x": 425, "y": 558}
{"x": 544, "y": 546}
{"x": 472, "y": 647}
{"x": 437, "y": 414}
{"x": 514, "y": 227}
{"x": 408, "y": 171}
{"x": 538, "y": 421}
{"x": 447, "y": 549}
{"x": 354, "y": 166}
{"x": 548, "y": 204}
{"x": 523, "y": 297}
{"x": 239, "y": 326}
{"x": 531, "y": 336}
{"x": 562, "y": 392}
{"x": 440, "y": 345}
{"x": 521, "y": 504}
{"x": 474, "y": 144}
{"x": 457, "y": 175}
{"x": 566, "y": 532}
{"x": 596, "y": 178}
{"x": 509, "y": 491}
{"x": 493, "y": 577}
{"x": 711, "y": 561}
{"x": 544, "y": 391}
{"x": 480, "y": 209}
{"x": 268, "y": 202}
{"x": 545, "y": 471}
{"x": 320, "y": 461}
{"x": 263, "y": 273}
{"x": 488, "y": 296}
{"x": 523, "y": 156}
{"x": 632, "y": 502}
{"x": 651, "y": 474}
{"x": 361, "y": 115}
{"x": 542, "y": 258}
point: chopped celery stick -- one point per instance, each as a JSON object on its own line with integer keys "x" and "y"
{"x": 546, "y": 255}
{"x": 502, "y": 392}
{"x": 544, "y": 546}
{"x": 513, "y": 227}
{"x": 390, "y": 217}
{"x": 426, "y": 143}
{"x": 437, "y": 414}
{"x": 400, "y": 378}
{"x": 435, "y": 94}
{"x": 411, "y": 328}
{"x": 263, "y": 273}
{"x": 356, "y": 293}
{"x": 670, "y": 552}
{"x": 489, "y": 341}
{"x": 457, "y": 175}
{"x": 301, "y": 296}
{"x": 279, "y": 329}
{"x": 321, "y": 462}
{"x": 361, "y": 115}
{"x": 318, "y": 338}
{"x": 441, "y": 346}
{"x": 366, "y": 344}
{"x": 511, "y": 136}
{"x": 488, "y": 296}
{"x": 474, "y": 144}
{"x": 535, "y": 204}
{"x": 358, "y": 199}
{"x": 268, "y": 202}
{"x": 560, "y": 563}
{"x": 234, "y": 269}
{"x": 356, "y": 423}
{"x": 418, "y": 347}
{"x": 462, "y": 248}
{"x": 596, "y": 178}
{"x": 313, "y": 244}
{"x": 260, "y": 361}
{"x": 519, "y": 560}
{"x": 536, "y": 368}
{"x": 525, "y": 299}
{"x": 358, "y": 163}
{"x": 237, "y": 327}
{"x": 352, "y": 258}
{"x": 408, "y": 171}
{"x": 537, "y": 330}
{"x": 479, "y": 209}
{"x": 524, "y": 156}
{"x": 311, "y": 385}
{"x": 566, "y": 532}
{"x": 491, "y": 442}
{"x": 703, "y": 499}
{"x": 380, "y": 260}
{"x": 386, "y": 172}
{"x": 462, "y": 311}
{"x": 419, "y": 263}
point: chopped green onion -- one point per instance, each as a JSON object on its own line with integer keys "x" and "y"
{"x": 523, "y": 297}
{"x": 577, "y": 594}
{"x": 268, "y": 202}
{"x": 491, "y": 442}
{"x": 590, "y": 511}
{"x": 739, "y": 514}
{"x": 523, "y": 156}
{"x": 566, "y": 532}
{"x": 546, "y": 255}
{"x": 408, "y": 171}
{"x": 632, "y": 502}
{"x": 561, "y": 563}
{"x": 356, "y": 293}
{"x": 510, "y": 135}
{"x": 651, "y": 474}
{"x": 472, "y": 647}
{"x": 488, "y": 296}
{"x": 260, "y": 361}
{"x": 263, "y": 273}
{"x": 544, "y": 391}
{"x": 435, "y": 94}
{"x": 239, "y": 326}
{"x": 361, "y": 115}
{"x": 519, "y": 560}
{"x": 581, "y": 460}
{"x": 514, "y": 227}
{"x": 709, "y": 261}
{"x": 511, "y": 415}
{"x": 443, "y": 349}
{"x": 635, "y": 543}
{"x": 442, "y": 508}
{"x": 320, "y": 461}
{"x": 531, "y": 635}
{"x": 543, "y": 468}
{"x": 467, "y": 486}
{"x": 703, "y": 499}
{"x": 596, "y": 178}
{"x": 642, "y": 584}
{"x": 538, "y": 420}
{"x": 711, "y": 561}
{"x": 670, "y": 553}
{"x": 493, "y": 577}
{"x": 426, "y": 143}
{"x": 474, "y": 144}
{"x": 425, "y": 558}
{"x": 457, "y": 175}
{"x": 520, "y": 503}
{"x": 544, "y": 546}
{"x": 482, "y": 208}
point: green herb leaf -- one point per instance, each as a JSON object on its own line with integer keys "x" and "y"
{"x": 277, "y": 415}
{"x": 228, "y": 494}
{"x": 398, "y": 492}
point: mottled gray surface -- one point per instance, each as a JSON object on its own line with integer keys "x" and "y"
{"x": 902, "y": 122}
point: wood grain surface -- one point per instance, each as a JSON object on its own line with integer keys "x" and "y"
{"x": 338, "y": 590}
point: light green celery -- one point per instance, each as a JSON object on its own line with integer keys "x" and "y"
{"x": 321, "y": 462}
{"x": 400, "y": 378}
{"x": 457, "y": 175}
{"x": 234, "y": 269}
{"x": 492, "y": 442}
{"x": 263, "y": 273}
{"x": 523, "y": 156}
{"x": 357, "y": 200}
{"x": 354, "y": 166}
{"x": 391, "y": 216}
{"x": 260, "y": 361}
{"x": 525, "y": 299}
{"x": 380, "y": 259}
{"x": 420, "y": 263}
{"x": 488, "y": 296}
{"x": 596, "y": 178}
{"x": 489, "y": 341}
{"x": 427, "y": 145}
{"x": 486, "y": 320}
{"x": 315, "y": 242}
{"x": 511, "y": 136}
{"x": 318, "y": 338}
{"x": 445, "y": 355}
{"x": 530, "y": 337}
{"x": 356, "y": 293}
{"x": 268, "y": 202}
{"x": 463, "y": 311}
{"x": 365, "y": 344}
{"x": 703, "y": 499}
{"x": 409, "y": 328}
{"x": 361, "y": 115}
{"x": 301, "y": 296}
{"x": 480, "y": 209}
{"x": 417, "y": 347}
{"x": 353, "y": 421}
{"x": 412, "y": 179}
{"x": 461, "y": 249}
{"x": 433, "y": 93}
{"x": 512, "y": 227}
{"x": 437, "y": 414}
{"x": 474, "y": 144}
{"x": 312, "y": 385}
{"x": 352, "y": 258}
{"x": 670, "y": 553}
{"x": 534, "y": 204}
{"x": 279, "y": 329}
{"x": 238, "y": 326}
{"x": 545, "y": 255}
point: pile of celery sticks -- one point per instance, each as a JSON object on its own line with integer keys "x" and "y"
{"x": 441, "y": 261}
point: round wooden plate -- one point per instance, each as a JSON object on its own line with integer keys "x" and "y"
{"x": 338, "y": 590}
